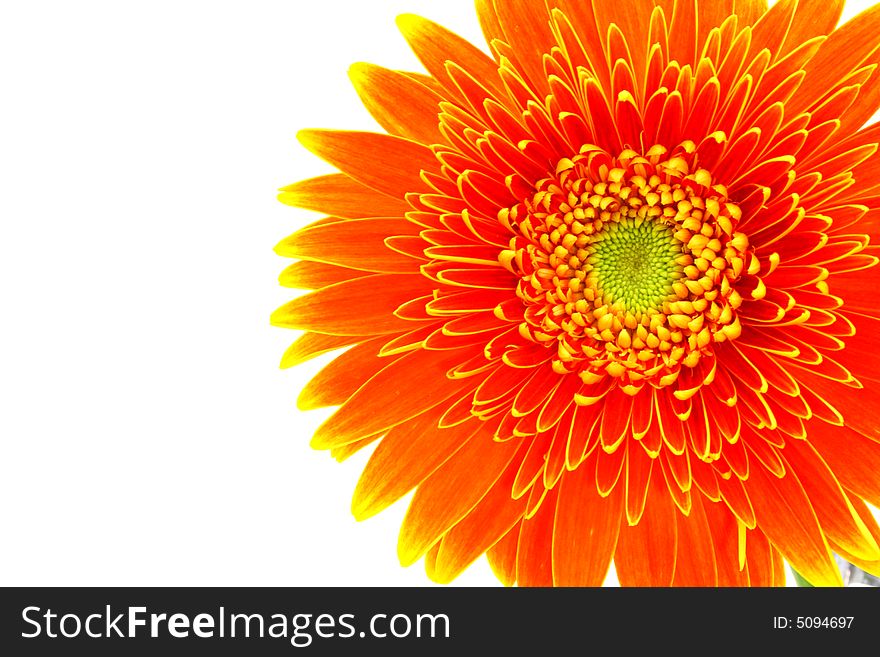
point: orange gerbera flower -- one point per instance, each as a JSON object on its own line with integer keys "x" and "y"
{"x": 609, "y": 295}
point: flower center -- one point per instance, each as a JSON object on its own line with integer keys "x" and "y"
{"x": 627, "y": 264}
{"x": 632, "y": 263}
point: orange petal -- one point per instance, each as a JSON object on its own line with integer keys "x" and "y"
{"x": 771, "y": 30}
{"x": 451, "y": 492}
{"x": 338, "y": 195}
{"x": 812, "y": 19}
{"x": 407, "y": 455}
{"x": 357, "y": 244}
{"x": 431, "y": 559}
{"x": 310, "y": 345}
{"x": 561, "y": 401}
{"x": 400, "y": 104}
{"x": 695, "y": 561}
{"x": 490, "y": 520}
{"x": 734, "y": 495}
{"x": 363, "y": 306}
{"x": 683, "y": 47}
{"x": 853, "y": 458}
{"x": 609, "y": 468}
{"x": 760, "y": 559}
{"x": 343, "y": 452}
{"x": 408, "y": 341}
{"x": 534, "y": 557}
{"x": 836, "y": 514}
{"x": 388, "y": 164}
{"x": 723, "y": 528}
{"x": 527, "y": 32}
{"x": 536, "y": 389}
{"x": 340, "y": 378}
{"x": 392, "y": 396}
{"x": 532, "y": 464}
{"x": 786, "y": 515}
{"x": 711, "y": 14}
{"x": 858, "y": 407}
{"x": 645, "y": 554}
{"x": 435, "y": 45}
{"x": 844, "y": 51}
{"x": 867, "y": 517}
{"x": 585, "y": 529}
{"x": 615, "y": 419}
{"x": 582, "y": 38}
{"x": 864, "y": 106}
{"x": 633, "y": 25}
{"x": 749, "y": 11}
{"x": 502, "y": 556}
{"x": 638, "y": 474}
{"x": 306, "y": 275}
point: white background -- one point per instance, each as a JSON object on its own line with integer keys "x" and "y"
{"x": 148, "y": 436}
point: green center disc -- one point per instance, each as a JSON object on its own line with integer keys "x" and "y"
{"x": 633, "y": 261}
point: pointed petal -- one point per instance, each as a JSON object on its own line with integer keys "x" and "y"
{"x": 772, "y": 28}
{"x": 585, "y": 529}
{"x": 786, "y": 515}
{"x": 435, "y": 45}
{"x": 634, "y": 25}
{"x": 869, "y": 566}
{"x": 527, "y": 32}
{"x": 711, "y": 14}
{"x": 405, "y": 457}
{"x": 723, "y": 528}
{"x": 485, "y": 525}
{"x": 844, "y": 51}
{"x": 400, "y": 104}
{"x": 342, "y": 376}
{"x": 392, "y": 396}
{"x": 311, "y": 345}
{"x": 749, "y": 11}
{"x": 534, "y": 558}
{"x": 645, "y": 554}
{"x": 759, "y": 558}
{"x": 812, "y": 19}
{"x": 307, "y": 275}
{"x": 836, "y": 514}
{"x": 695, "y": 562}
{"x": 451, "y": 492}
{"x": 363, "y": 306}
{"x": 856, "y": 406}
{"x": 388, "y": 164}
{"x": 340, "y": 196}
{"x": 854, "y": 459}
{"x": 638, "y": 475}
{"x": 683, "y": 47}
{"x": 357, "y": 244}
{"x": 502, "y": 556}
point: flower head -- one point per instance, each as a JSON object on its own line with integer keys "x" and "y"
{"x": 608, "y": 294}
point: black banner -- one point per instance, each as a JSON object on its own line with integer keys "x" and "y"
{"x": 428, "y": 621}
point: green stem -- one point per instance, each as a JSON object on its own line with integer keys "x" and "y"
{"x": 801, "y": 581}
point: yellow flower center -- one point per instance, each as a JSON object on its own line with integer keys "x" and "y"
{"x": 627, "y": 265}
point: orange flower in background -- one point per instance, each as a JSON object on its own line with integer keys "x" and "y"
{"x": 608, "y": 294}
